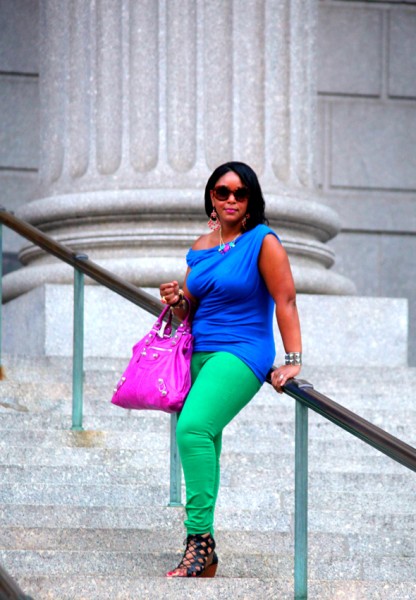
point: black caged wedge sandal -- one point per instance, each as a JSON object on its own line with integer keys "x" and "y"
{"x": 199, "y": 559}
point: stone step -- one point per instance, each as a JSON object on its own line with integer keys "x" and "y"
{"x": 151, "y": 588}
{"x": 162, "y": 517}
{"x": 153, "y": 465}
{"x": 152, "y": 421}
{"x": 349, "y": 456}
{"x": 156, "y": 517}
{"x": 37, "y": 396}
{"x": 77, "y": 506}
{"x": 133, "y": 564}
{"x": 121, "y": 564}
{"x": 136, "y": 540}
{"x": 90, "y": 447}
{"x": 325, "y": 438}
{"x": 280, "y": 410}
{"x": 18, "y": 399}
{"x": 97, "y": 484}
{"x": 220, "y": 588}
{"x": 267, "y": 499}
{"x": 238, "y": 470}
{"x": 322, "y": 378}
{"x": 357, "y": 482}
{"x": 381, "y": 503}
{"x": 55, "y": 368}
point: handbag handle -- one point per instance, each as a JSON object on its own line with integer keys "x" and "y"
{"x": 168, "y": 327}
{"x": 159, "y": 322}
{"x": 186, "y": 325}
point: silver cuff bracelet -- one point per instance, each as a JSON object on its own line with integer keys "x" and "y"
{"x": 293, "y": 358}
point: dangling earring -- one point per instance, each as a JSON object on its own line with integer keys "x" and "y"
{"x": 214, "y": 223}
{"x": 244, "y": 221}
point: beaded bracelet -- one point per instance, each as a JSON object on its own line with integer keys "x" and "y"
{"x": 181, "y": 301}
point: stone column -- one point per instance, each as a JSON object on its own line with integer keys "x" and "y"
{"x": 141, "y": 100}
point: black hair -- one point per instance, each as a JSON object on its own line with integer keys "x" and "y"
{"x": 256, "y": 205}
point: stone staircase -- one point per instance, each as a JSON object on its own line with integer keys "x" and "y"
{"x": 84, "y": 515}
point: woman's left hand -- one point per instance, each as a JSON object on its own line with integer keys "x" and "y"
{"x": 282, "y": 374}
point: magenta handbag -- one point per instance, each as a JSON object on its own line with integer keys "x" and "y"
{"x": 158, "y": 376}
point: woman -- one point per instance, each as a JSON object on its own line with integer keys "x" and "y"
{"x": 236, "y": 273}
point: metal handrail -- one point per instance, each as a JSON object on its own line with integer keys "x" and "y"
{"x": 9, "y": 590}
{"x": 81, "y": 262}
{"x": 307, "y": 397}
{"x": 346, "y": 419}
{"x": 302, "y": 391}
{"x": 380, "y": 439}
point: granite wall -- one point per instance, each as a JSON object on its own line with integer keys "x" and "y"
{"x": 19, "y": 108}
{"x": 367, "y": 137}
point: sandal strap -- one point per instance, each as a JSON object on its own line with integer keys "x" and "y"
{"x": 199, "y": 549}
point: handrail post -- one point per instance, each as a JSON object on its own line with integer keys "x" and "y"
{"x": 78, "y": 347}
{"x": 301, "y": 502}
{"x": 175, "y": 465}
{"x": 1, "y": 301}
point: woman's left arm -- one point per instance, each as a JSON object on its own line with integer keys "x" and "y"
{"x": 275, "y": 269}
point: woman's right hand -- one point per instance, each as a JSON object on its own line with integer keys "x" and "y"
{"x": 169, "y": 292}
{"x": 282, "y": 374}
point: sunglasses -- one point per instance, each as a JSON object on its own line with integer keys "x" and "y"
{"x": 222, "y": 193}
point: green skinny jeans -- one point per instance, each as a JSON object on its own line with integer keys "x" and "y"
{"x": 222, "y": 385}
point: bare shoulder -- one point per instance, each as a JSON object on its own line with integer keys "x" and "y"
{"x": 206, "y": 241}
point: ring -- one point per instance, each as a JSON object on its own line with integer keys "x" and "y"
{"x": 163, "y": 300}
{"x": 281, "y": 377}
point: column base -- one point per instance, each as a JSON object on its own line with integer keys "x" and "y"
{"x": 143, "y": 236}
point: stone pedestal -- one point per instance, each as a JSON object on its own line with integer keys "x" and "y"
{"x": 140, "y": 101}
{"x": 347, "y": 331}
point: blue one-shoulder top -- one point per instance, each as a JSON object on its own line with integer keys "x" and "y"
{"x": 235, "y": 310}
